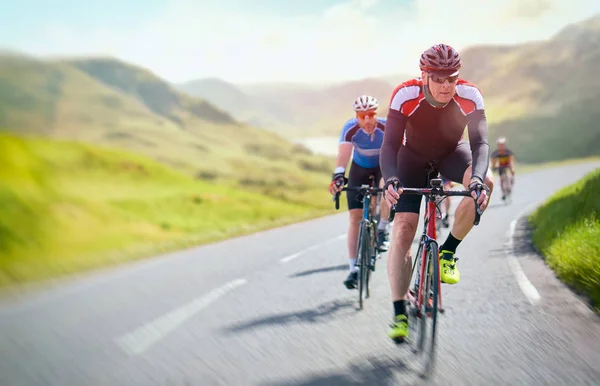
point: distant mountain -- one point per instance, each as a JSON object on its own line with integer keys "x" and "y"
{"x": 296, "y": 110}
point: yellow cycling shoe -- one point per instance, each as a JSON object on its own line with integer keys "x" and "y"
{"x": 399, "y": 330}
{"x": 449, "y": 271}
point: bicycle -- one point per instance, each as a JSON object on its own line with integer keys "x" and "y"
{"x": 419, "y": 309}
{"x": 367, "y": 251}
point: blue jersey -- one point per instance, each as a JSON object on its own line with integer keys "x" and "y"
{"x": 366, "y": 146}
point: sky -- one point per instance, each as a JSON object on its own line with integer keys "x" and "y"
{"x": 247, "y": 41}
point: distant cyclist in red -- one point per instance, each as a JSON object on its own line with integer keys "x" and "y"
{"x": 425, "y": 124}
{"x": 504, "y": 160}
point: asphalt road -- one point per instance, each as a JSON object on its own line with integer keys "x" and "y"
{"x": 270, "y": 309}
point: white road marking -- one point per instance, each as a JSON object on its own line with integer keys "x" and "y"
{"x": 298, "y": 254}
{"x": 142, "y": 338}
{"x": 531, "y": 293}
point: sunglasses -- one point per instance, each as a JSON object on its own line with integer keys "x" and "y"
{"x": 366, "y": 115}
{"x": 442, "y": 79}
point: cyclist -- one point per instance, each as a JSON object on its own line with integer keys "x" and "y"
{"x": 425, "y": 124}
{"x": 503, "y": 159}
{"x": 364, "y": 134}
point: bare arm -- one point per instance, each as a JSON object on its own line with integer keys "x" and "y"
{"x": 344, "y": 154}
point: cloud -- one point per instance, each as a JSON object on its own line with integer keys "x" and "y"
{"x": 358, "y": 38}
{"x": 528, "y": 9}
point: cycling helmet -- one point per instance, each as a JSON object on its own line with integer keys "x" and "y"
{"x": 440, "y": 59}
{"x": 365, "y": 103}
{"x": 501, "y": 140}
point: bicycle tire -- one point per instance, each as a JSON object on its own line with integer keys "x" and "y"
{"x": 371, "y": 250}
{"x": 429, "y": 317}
{"x": 361, "y": 253}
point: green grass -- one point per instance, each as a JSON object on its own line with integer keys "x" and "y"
{"x": 70, "y": 207}
{"x": 567, "y": 232}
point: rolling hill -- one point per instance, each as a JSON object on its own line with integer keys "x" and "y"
{"x": 69, "y": 206}
{"x": 542, "y": 95}
{"x": 111, "y": 103}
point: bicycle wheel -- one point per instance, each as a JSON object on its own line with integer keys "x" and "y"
{"x": 362, "y": 259}
{"x": 370, "y": 263}
{"x": 429, "y": 308}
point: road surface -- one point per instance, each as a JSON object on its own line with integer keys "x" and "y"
{"x": 270, "y": 309}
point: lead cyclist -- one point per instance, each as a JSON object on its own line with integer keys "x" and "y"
{"x": 426, "y": 123}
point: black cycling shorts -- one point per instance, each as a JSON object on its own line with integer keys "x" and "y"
{"x": 412, "y": 171}
{"x": 503, "y": 170}
{"x": 360, "y": 176}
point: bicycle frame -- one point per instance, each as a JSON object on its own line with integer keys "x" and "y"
{"x": 429, "y": 236}
{"x": 429, "y": 229}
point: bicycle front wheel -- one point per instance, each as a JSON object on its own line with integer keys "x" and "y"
{"x": 428, "y": 310}
{"x": 363, "y": 262}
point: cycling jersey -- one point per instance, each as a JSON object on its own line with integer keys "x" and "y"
{"x": 366, "y": 146}
{"x": 434, "y": 133}
{"x": 503, "y": 159}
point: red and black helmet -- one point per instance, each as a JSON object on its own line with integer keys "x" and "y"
{"x": 440, "y": 59}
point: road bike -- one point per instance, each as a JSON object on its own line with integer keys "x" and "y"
{"x": 367, "y": 251}
{"x": 425, "y": 296}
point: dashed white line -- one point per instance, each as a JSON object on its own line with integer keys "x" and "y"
{"x": 293, "y": 256}
{"x": 139, "y": 340}
{"x": 528, "y": 289}
{"x": 300, "y": 253}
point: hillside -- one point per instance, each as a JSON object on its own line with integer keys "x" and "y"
{"x": 541, "y": 95}
{"x": 69, "y": 206}
{"x": 108, "y": 102}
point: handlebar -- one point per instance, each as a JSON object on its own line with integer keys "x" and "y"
{"x": 439, "y": 192}
{"x": 360, "y": 189}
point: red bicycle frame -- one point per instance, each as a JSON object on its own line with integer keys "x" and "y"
{"x": 430, "y": 217}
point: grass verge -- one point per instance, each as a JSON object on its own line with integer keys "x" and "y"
{"x": 567, "y": 233}
{"x": 69, "y": 207}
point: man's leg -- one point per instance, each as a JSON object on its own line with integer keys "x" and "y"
{"x": 457, "y": 167}
{"x": 399, "y": 270}
{"x": 465, "y": 212}
{"x": 399, "y": 259}
{"x": 353, "y": 229}
{"x": 503, "y": 182}
{"x": 384, "y": 214}
{"x": 411, "y": 171}
{"x": 356, "y": 177}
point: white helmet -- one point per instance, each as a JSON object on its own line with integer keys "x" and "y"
{"x": 501, "y": 140}
{"x": 365, "y": 102}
